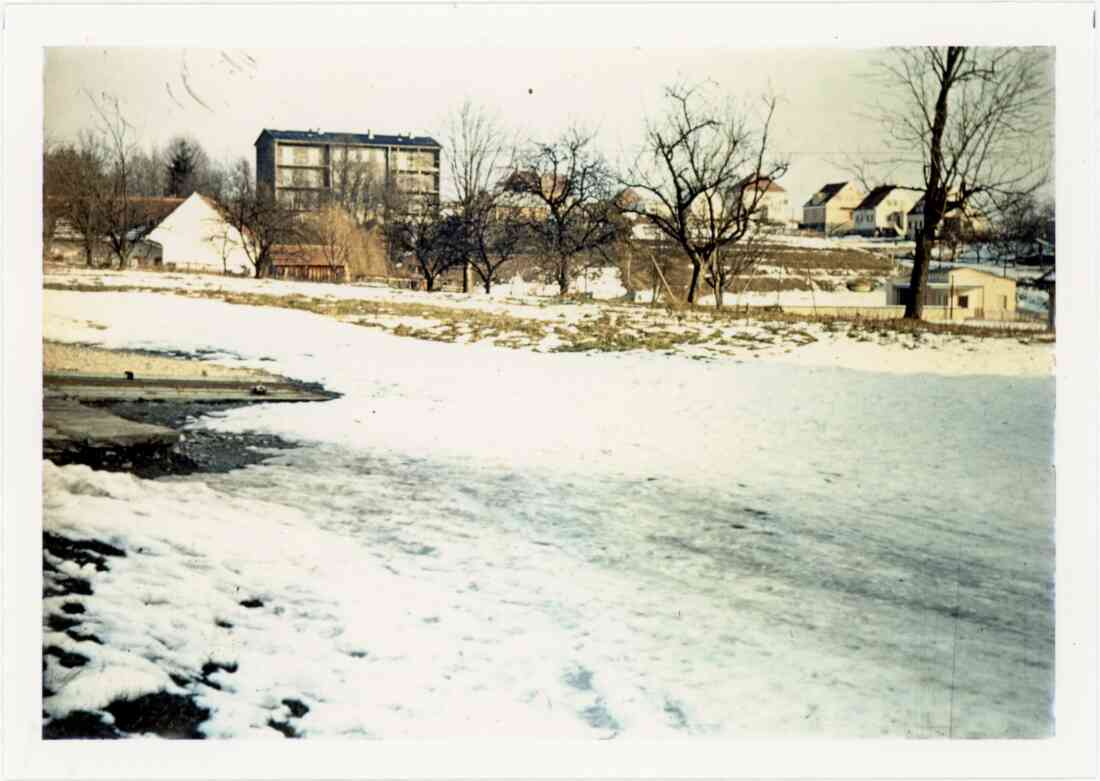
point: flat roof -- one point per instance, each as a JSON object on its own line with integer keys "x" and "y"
{"x": 354, "y": 139}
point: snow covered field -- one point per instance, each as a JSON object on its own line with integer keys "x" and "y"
{"x": 481, "y": 541}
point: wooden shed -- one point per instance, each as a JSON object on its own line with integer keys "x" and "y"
{"x": 306, "y": 262}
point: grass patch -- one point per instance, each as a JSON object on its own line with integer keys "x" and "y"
{"x": 605, "y": 327}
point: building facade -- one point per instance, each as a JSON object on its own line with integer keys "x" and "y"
{"x": 196, "y": 237}
{"x": 303, "y": 168}
{"x": 884, "y": 211}
{"x": 772, "y": 201}
{"x": 957, "y": 220}
{"x": 830, "y": 209}
{"x": 961, "y": 294}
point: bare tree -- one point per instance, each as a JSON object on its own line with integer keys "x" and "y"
{"x": 148, "y": 173}
{"x": 416, "y": 227}
{"x": 126, "y": 218}
{"x": 571, "y": 211}
{"x": 261, "y": 220}
{"x": 335, "y": 232}
{"x": 976, "y": 122}
{"x": 359, "y": 185}
{"x": 77, "y": 191}
{"x": 478, "y": 150}
{"x": 494, "y": 234}
{"x": 1018, "y": 230}
{"x": 736, "y": 261}
{"x": 704, "y": 172}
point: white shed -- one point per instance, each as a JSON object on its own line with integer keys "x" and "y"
{"x": 196, "y": 237}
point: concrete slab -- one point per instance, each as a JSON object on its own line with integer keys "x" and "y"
{"x": 86, "y": 387}
{"x": 68, "y": 424}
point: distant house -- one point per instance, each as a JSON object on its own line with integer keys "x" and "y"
{"x": 961, "y": 294}
{"x": 830, "y": 209}
{"x": 196, "y": 237}
{"x": 884, "y": 211}
{"x": 774, "y": 204}
{"x": 955, "y": 218}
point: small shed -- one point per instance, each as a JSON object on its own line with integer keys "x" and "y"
{"x": 960, "y": 294}
{"x": 306, "y": 262}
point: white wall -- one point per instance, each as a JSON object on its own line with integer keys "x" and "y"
{"x": 195, "y": 236}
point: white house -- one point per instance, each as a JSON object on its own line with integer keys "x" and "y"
{"x": 196, "y": 237}
{"x": 884, "y": 211}
{"x": 830, "y": 208}
{"x": 772, "y": 201}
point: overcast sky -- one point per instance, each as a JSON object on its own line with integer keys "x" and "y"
{"x": 224, "y": 98}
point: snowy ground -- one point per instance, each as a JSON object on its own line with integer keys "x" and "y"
{"x": 477, "y": 540}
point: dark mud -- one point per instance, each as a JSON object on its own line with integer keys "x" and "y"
{"x": 198, "y": 450}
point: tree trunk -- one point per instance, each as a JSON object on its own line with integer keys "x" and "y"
{"x": 488, "y": 284}
{"x": 429, "y": 282}
{"x": 563, "y": 276}
{"x": 466, "y": 276}
{"x": 934, "y": 195}
{"x": 918, "y": 280}
{"x": 696, "y": 267}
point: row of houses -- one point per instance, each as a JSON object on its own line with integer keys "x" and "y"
{"x": 888, "y": 210}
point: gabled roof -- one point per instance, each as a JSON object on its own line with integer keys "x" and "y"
{"x": 951, "y": 208}
{"x": 876, "y": 196}
{"x": 825, "y": 194}
{"x": 765, "y": 183}
{"x": 360, "y": 139}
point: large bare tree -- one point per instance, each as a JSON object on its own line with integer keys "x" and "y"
{"x": 76, "y": 191}
{"x": 494, "y": 235}
{"x": 569, "y": 187}
{"x": 126, "y": 217}
{"x": 975, "y": 122}
{"x": 703, "y": 173}
{"x": 415, "y": 226}
{"x": 262, "y": 221}
{"x": 478, "y": 153}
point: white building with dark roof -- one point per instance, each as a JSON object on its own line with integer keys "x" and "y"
{"x": 884, "y": 211}
{"x": 830, "y": 208}
{"x": 196, "y": 237}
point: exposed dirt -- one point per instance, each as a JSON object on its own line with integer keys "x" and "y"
{"x": 197, "y": 451}
{"x": 83, "y": 359}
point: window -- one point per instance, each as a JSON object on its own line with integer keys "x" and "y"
{"x": 964, "y": 302}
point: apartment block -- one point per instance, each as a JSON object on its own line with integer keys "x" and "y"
{"x": 304, "y": 167}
